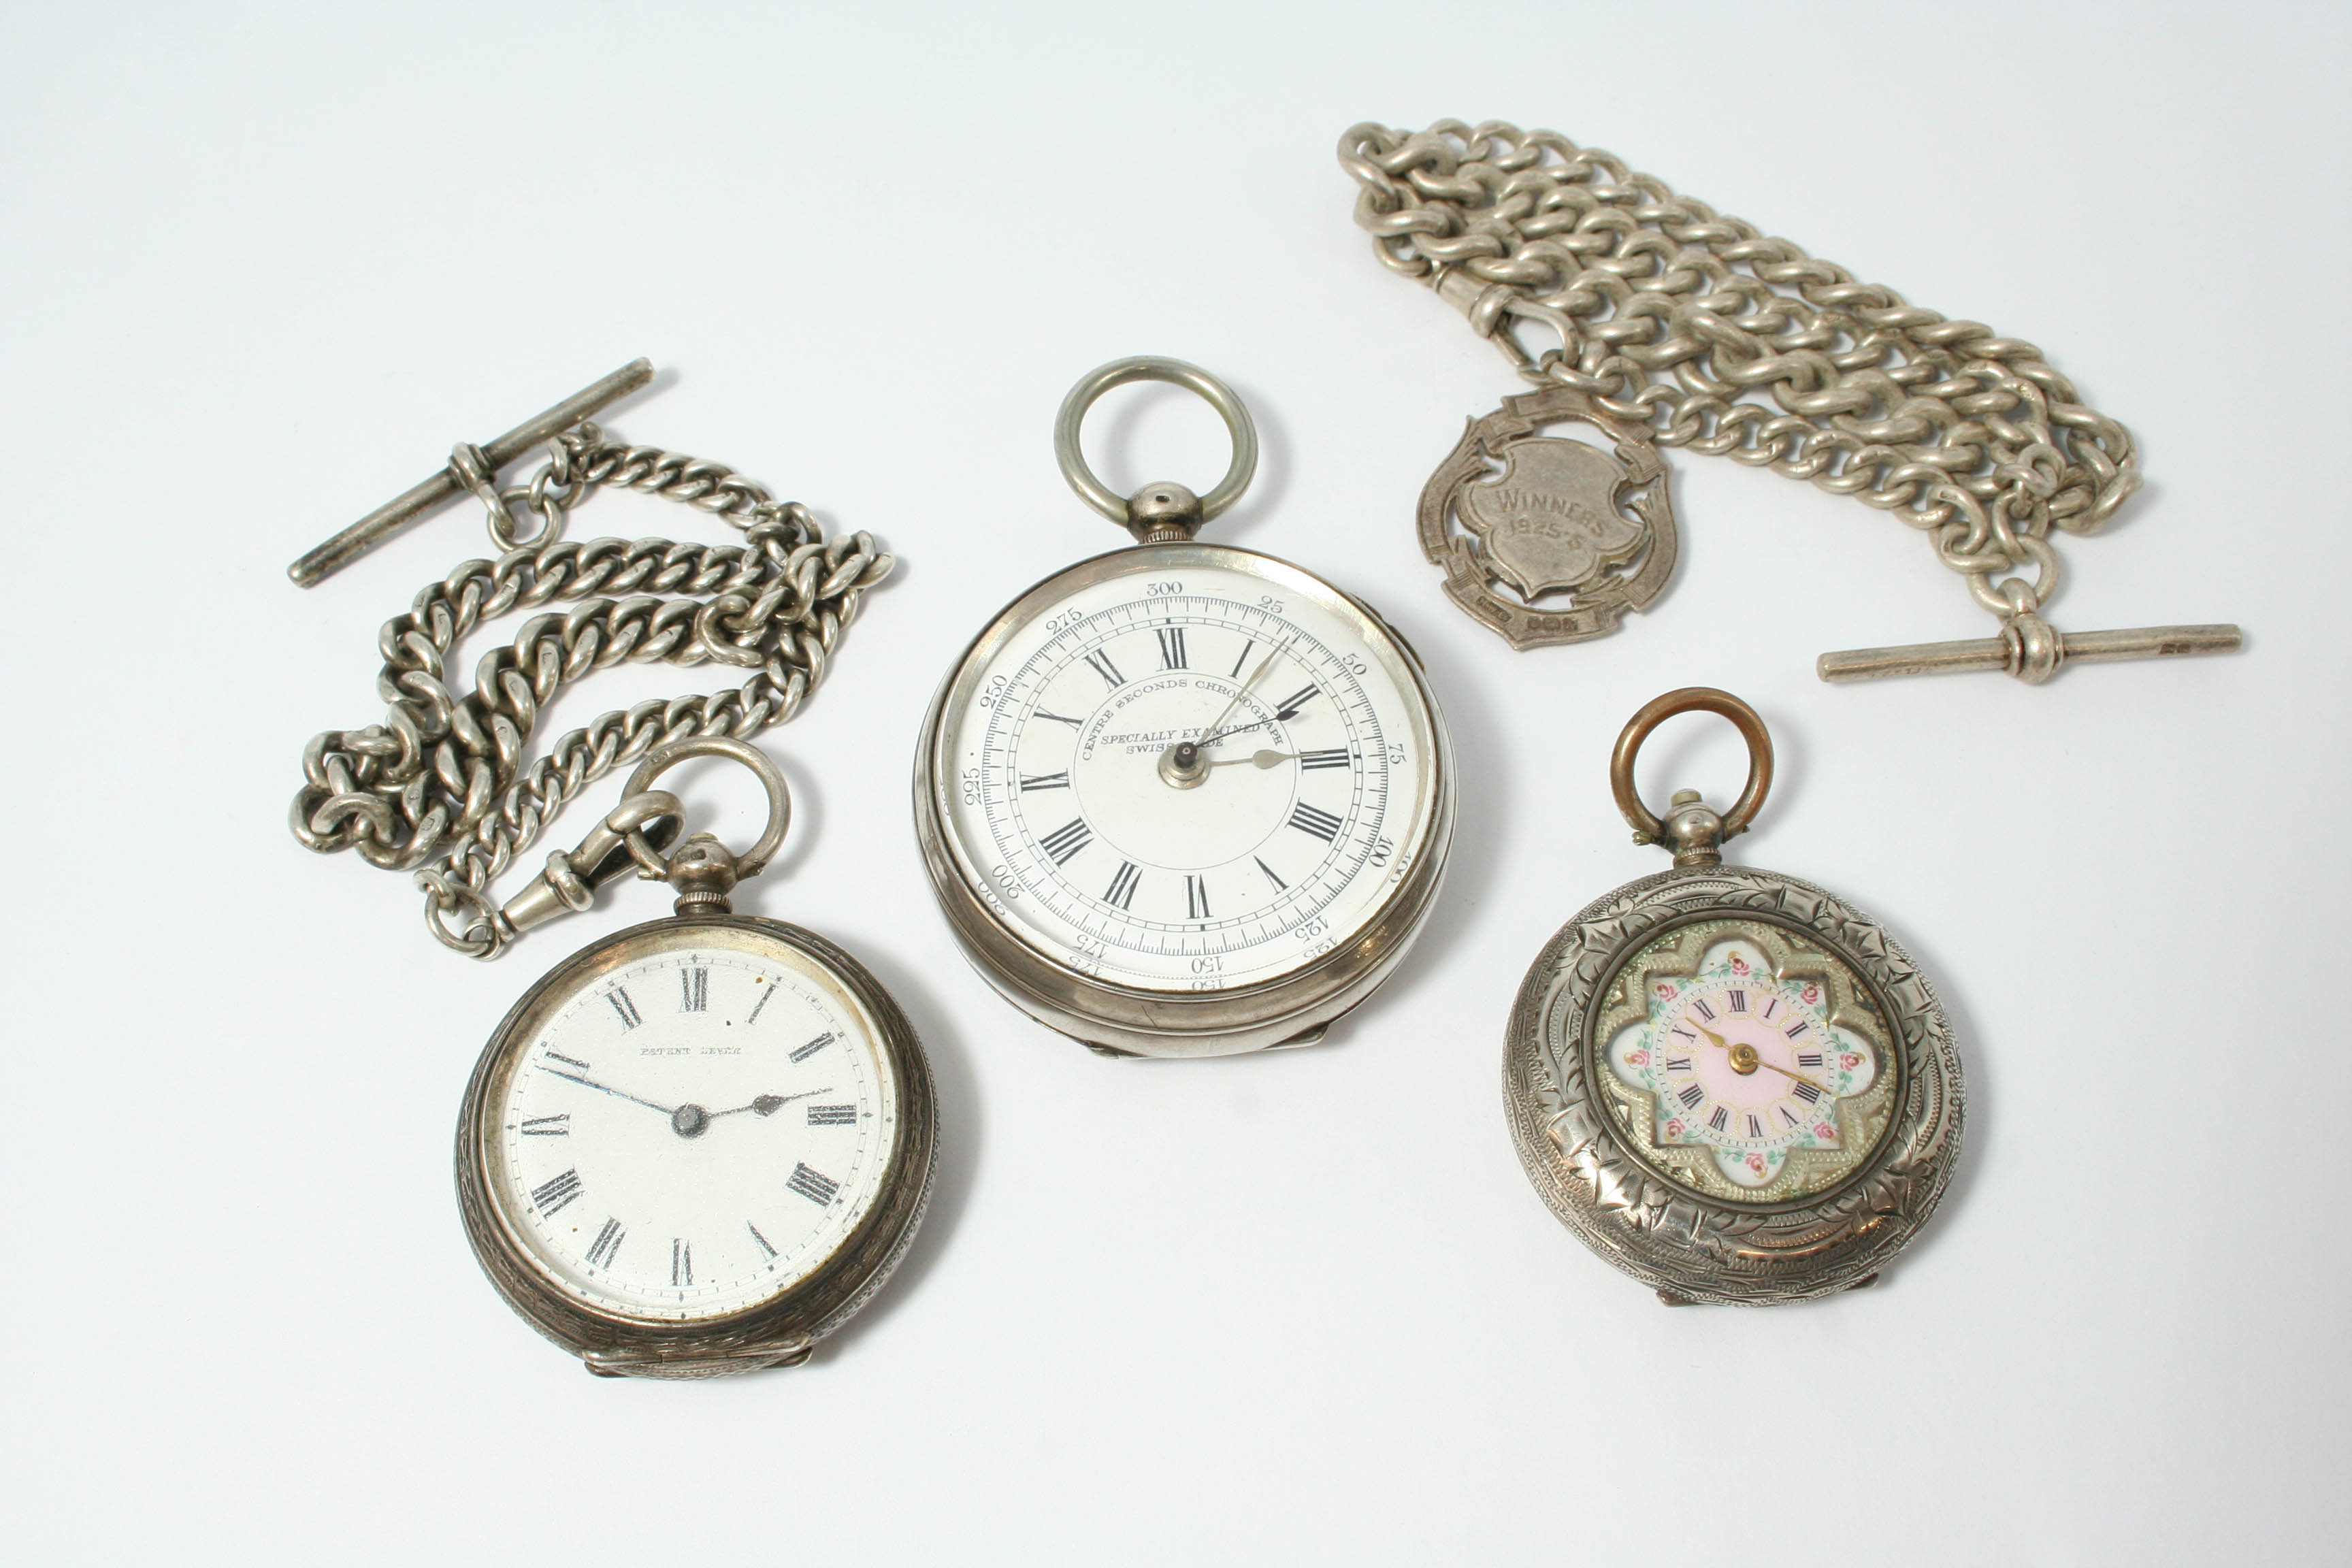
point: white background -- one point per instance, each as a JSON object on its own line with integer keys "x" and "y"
{"x": 263, "y": 264}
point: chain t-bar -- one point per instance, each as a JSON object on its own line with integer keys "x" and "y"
{"x": 411, "y": 504}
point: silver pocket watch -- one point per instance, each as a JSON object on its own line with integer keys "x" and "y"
{"x": 1731, "y": 1085}
{"x": 701, "y": 1144}
{"x": 1180, "y": 799}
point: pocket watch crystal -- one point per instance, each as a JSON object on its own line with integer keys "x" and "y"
{"x": 1177, "y": 780}
{"x": 695, "y": 1129}
{"x": 699, "y": 1145}
{"x": 1743, "y": 1064}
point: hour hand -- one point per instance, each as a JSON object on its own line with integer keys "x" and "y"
{"x": 769, "y": 1104}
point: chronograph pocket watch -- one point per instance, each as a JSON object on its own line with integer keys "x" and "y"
{"x": 1731, "y": 1085}
{"x": 1180, "y": 799}
{"x": 700, "y": 1145}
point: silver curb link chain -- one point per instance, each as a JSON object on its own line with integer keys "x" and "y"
{"x": 439, "y": 789}
{"x": 1669, "y": 315}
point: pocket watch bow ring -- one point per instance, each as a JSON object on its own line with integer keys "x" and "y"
{"x": 1731, "y": 1085}
{"x": 1182, "y": 799}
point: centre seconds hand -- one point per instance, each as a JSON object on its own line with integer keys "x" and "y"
{"x": 1212, "y": 731}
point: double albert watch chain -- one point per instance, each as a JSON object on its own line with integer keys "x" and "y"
{"x": 701, "y": 1144}
{"x": 1184, "y": 800}
{"x": 1667, "y": 325}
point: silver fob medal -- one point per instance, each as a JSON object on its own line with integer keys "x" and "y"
{"x": 1733, "y": 1086}
{"x": 1184, "y": 800}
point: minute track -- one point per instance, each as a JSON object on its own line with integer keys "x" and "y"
{"x": 1311, "y": 708}
{"x": 605, "y": 1230}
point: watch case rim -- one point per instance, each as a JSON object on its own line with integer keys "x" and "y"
{"x": 1686, "y": 1245}
{"x": 782, "y": 1329}
{"x": 1134, "y": 1020}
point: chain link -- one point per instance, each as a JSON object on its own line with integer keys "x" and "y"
{"x": 440, "y": 789}
{"x": 1670, "y": 315}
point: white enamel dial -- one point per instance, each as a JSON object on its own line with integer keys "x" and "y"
{"x": 1310, "y": 795}
{"x": 695, "y": 1131}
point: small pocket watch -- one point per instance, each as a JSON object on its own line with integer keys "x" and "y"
{"x": 1733, "y": 1086}
{"x": 1184, "y": 800}
{"x": 700, "y": 1145}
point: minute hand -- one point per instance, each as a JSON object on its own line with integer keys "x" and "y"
{"x": 1784, "y": 1072}
{"x": 1757, "y": 1057}
{"x": 608, "y": 1089}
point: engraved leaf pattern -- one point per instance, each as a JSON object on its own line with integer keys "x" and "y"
{"x": 1657, "y": 1231}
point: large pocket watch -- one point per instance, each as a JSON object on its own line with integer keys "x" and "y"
{"x": 1184, "y": 800}
{"x": 1733, "y": 1086}
{"x": 700, "y": 1145}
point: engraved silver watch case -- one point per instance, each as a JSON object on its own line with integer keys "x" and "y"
{"x": 1290, "y": 1008}
{"x": 1677, "y": 1153}
{"x": 781, "y": 1328}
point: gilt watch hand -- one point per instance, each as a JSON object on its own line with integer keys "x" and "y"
{"x": 607, "y": 1089}
{"x": 1745, "y": 1059}
{"x": 1784, "y": 1072}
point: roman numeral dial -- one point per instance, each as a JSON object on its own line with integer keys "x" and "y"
{"x": 1187, "y": 781}
{"x": 1751, "y": 1046}
{"x": 691, "y": 1132}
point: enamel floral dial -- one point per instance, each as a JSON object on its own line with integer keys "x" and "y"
{"x": 1184, "y": 800}
{"x": 684, "y": 1138}
{"x": 1731, "y": 1085}
{"x": 1744, "y": 1062}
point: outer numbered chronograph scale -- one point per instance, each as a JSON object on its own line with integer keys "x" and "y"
{"x": 1733, "y": 1086}
{"x": 1183, "y": 799}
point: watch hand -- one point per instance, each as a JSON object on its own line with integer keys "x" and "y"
{"x": 1210, "y": 732}
{"x": 607, "y": 1089}
{"x": 769, "y": 1104}
{"x": 1784, "y": 1072}
{"x": 1258, "y": 759}
{"x": 1746, "y": 1060}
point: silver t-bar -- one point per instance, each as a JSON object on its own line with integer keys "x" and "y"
{"x": 2010, "y": 655}
{"x": 411, "y": 504}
